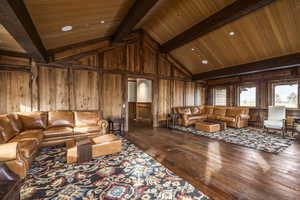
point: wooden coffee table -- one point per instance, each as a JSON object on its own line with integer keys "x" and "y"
{"x": 100, "y": 146}
{"x": 210, "y": 126}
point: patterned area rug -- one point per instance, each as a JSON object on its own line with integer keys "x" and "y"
{"x": 248, "y": 137}
{"x": 131, "y": 174}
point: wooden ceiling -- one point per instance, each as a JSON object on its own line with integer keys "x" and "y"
{"x": 49, "y": 16}
{"x": 269, "y": 32}
{"x": 7, "y": 42}
{"x": 171, "y": 17}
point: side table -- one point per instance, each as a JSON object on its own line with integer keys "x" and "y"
{"x": 173, "y": 118}
{"x": 121, "y": 125}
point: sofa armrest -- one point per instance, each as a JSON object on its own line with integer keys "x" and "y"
{"x": 8, "y": 151}
{"x": 244, "y": 117}
{"x": 103, "y": 124}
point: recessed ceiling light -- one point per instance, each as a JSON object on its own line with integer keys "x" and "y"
{"x": 205, "y": 62}
{"x": 67, "y": 28}
{"x": 102, "y": 21}
{"x": 231, "y": 33}
{"x": 193, "y": 49}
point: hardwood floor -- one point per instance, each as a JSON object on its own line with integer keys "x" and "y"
{"x": 223, "y": 170}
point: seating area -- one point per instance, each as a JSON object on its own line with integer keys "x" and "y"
{"x": 149, "y": 99}
{"x": 234, "y": 116}
{"x": 22, "y": 134}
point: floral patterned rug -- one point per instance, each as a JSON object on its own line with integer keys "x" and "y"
{"x": 249, "y": 137}
{"x": 130, "y": 174}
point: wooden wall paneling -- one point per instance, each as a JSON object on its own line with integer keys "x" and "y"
{"x": 164, "y": 67}
{"x": 189, "y": 93}
{"x": 86, "y": 90}
{"x": 71, "y": 88}
{"x": 164, "y": 103}
{"x": 15, "y": 92}
{"x": 133, "y": 61}
{"x": 114, "y": 59}
{"x": 150, "y": 59}
{"x": 155, "y": 101}
{"x": 53, "y": 88}
{"x": 178, "y": 93}
{"x": 88, "y": 61}
{"x": 112, "y": 95}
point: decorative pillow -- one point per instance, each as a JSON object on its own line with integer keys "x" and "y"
{"x": 220, "y": 111}
{"x": 186, "y": 111}
{"x": 8, "y": 131}
{"x": 195, "y": 110}
{"x": 33, "y": 120}
{"x": 60, "y": 119}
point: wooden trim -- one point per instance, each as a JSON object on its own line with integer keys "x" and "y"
{"x": 14, "y": 54}
{"x": 272, "y": 64}
{"x": 181, "y": 67}
{"x": 17, "y": 21}
{"x": 8, "y": 67}
{"x": 134, "y": 15}
{"x": 228, "y": 14}
{"x": 77, "y": 45}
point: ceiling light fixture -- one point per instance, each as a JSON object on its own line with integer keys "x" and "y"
{"x": 231, "y": 33}
{"x": 67, "y": 28}
{"x": 205, "y": 62}
{"x": 102, "y": 21}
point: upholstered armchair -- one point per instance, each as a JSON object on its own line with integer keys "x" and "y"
{"x": 276, "y": 118}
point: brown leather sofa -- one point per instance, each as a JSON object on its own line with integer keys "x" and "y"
{"x": 236, "y": 117}
{"x": 21, "y": 134}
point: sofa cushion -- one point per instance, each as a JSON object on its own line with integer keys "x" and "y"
{"x": 232, "y": 112}
{"x": 86, "y": 118}
{"x": 36, "y": 134}
{"x": 58, "y": 132}
{"x": 28, "y": 148}
{"x": 60, "y": 119}
{"x": 227, "y": 119}
{"x": 195, "y": 117}
{"x": 220, "y": 111}
{"x": 33, "y": 120}
{"x": 87, "y": 129}
{"x": 7, "y": 129}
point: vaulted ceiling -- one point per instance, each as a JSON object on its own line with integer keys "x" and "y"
{"x": 267, "y": 32}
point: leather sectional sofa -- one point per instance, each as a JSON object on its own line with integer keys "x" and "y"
{"x": 236, "y": 117}
{"x": 21, "y": 134}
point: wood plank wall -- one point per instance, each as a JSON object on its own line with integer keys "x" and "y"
{"x": 263, "y": 83}
{"x": 95, "y": 79}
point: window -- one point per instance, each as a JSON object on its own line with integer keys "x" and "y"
{"x": 220, "y": 96}
{"x": 247, "y": 96}
{"x": 286, "y": 94}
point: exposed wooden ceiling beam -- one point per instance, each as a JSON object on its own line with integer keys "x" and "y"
{"x": 228, "y": 14}
{"x": 17, "y": 21}
{"x": 135, "y": 14}
{"x": 282, "y": 62}
{"x": 13, "y": 54}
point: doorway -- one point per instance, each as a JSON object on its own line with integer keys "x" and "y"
{"x": 139, "y": 103}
